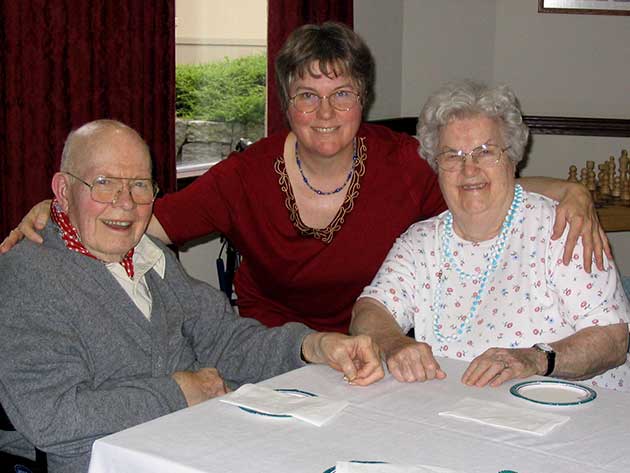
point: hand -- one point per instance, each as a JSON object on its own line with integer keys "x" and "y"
{"x": 409, "y": 361}
{"x": 498, "y": 365}
{"x": 358, "y": 358}
{"x": 201, "y": 385}
{"x": 577, "y": 209}
{"x": 34, "y": 221}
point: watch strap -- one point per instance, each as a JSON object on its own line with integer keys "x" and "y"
{"x": 551, "y": 357}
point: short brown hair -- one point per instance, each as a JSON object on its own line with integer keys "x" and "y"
{"x": 335, "y": 48}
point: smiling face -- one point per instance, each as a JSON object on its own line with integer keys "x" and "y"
{"x": 326, "y": 132}
{"x": 108, "y": 231}
{"x": 475, "y": 194}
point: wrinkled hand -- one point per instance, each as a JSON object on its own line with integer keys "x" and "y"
{"x": 34, "y": 221}
{"x": 201, "y": 385}
{"x": 358, "y": 358}
{"x": 409, "y": 361}
{"x": 577, "y": 210}
{"x": 497, "y": 365}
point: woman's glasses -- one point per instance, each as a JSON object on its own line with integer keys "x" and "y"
{"x": 484, "y": 156}
{"x": 342, "y": 101}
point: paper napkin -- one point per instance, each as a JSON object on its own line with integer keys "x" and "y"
{"x": 501, "y": 415}
{"x": 314, "y": 410}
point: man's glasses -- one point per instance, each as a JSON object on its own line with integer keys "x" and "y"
{"x": 106, "y": 190}
{"x": 342, "y": 101}
{"x": 484, "y": 156}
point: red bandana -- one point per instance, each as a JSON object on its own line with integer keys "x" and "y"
{"x": 70, "y": 236}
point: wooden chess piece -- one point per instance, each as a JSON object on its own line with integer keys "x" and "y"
{"x": 611, "y": 170}
{"x": 590, "y": 176}
{"x": 572, "y": 174}
{"x": 616, "y": 188}
{"x": 602, "y": 178}
{"x": 584, "y": 177}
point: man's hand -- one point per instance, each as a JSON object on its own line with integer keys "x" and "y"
{"x": 576, "y": 209}
{"x": 34, "y": 221}
{"x": 498, "y": 365}
{"x": 409, "y": 361}
{"x": 199, "y": 386}
{"x": 358, "y": 358}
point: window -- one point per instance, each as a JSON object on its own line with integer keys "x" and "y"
{"x": 220, "y": 79}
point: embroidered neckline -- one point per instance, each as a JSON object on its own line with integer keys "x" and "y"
{"x": 327, "y": 233}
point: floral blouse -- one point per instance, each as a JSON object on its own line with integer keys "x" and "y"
{"x": 531, "y": 297}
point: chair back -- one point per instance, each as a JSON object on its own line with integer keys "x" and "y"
{"x": 229, "y": 258}
{"x": 10, "y": 463}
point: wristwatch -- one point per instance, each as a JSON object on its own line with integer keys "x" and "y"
{"x": 551, "y": 356}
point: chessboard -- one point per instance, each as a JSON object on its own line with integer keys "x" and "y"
{"x": 610, "y": 188}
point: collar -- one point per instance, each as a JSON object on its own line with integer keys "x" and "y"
{"x": 147, "y": 256}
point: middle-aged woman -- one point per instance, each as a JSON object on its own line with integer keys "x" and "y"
{"x": 484, "y": 281}
{"x": 314, "y": 211}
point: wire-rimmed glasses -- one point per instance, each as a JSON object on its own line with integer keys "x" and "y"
{"x": 341, "y": 100}
{"x": 485, "y": 156}
{"x": 106, "y": 189}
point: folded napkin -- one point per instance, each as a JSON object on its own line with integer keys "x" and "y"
{"x": 314, "y": 410}
{"x": 362, "y": 467}
{"x": 505, "y": 416}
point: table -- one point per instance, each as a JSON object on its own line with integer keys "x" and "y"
{"x": 388, "y": 421}
{"x": 614, "y": 218}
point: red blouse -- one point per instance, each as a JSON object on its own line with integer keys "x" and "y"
{"x": 289, "y": 273}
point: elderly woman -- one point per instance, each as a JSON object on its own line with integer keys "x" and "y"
{"x": 484, "y": 281}
{"x": 314, "y": 210}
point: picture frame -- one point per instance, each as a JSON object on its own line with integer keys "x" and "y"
{"x": 585, "y": 7}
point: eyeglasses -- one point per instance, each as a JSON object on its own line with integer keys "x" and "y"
{"x": 342, "y": 101}
{"x": 106, "y": 190}
{"x": 484, "y": 156}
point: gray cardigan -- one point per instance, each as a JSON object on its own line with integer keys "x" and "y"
{"x": 78, "y": 360}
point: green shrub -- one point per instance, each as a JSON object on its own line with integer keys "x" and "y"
{"x": 228, "y": 90}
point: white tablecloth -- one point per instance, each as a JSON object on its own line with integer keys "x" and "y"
{"x": 389, "y": 421}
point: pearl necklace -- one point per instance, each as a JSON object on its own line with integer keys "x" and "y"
{"x": 338, "y": 189}
{"x": 491, "y": 265}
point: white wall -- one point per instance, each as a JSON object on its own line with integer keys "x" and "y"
{"x": 444, "y": 40}
{"x": 559, "y": 64}
{"x": 380, "y": 23}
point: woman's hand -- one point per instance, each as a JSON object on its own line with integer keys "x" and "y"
{"x": 358, "y": 358}
{"x": 498, "y": 365}
{"x": 409, "y": 361}
{"x": 576, "y": 209}
{"x": 35, "y": 220}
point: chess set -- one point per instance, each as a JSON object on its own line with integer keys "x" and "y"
{"x": 612, "y": 183}
{"x": 610, "y": 188}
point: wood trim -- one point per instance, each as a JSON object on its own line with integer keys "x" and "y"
{"x": 539, "y": 125}
{"x": 582, "y": 126}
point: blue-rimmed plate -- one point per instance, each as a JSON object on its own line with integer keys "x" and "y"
{"x": 292, "y": 392}
{"x": 332, "y": 469}
{"x": 553, "y": 393}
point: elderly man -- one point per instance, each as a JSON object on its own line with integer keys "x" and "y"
{"x": 100, "y": 327}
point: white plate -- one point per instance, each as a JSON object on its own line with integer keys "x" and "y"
{"x": 291, "y": 392}
{"x": 553, "y": 393}
{"x": 333, "y": 469}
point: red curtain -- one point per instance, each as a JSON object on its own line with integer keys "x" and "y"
{"x": 283, "y": 16}
{"x": 66, "y": 62}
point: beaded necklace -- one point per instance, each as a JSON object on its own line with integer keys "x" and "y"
{"x": 338, "y": 189}
{"x": 491, "y": 265}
